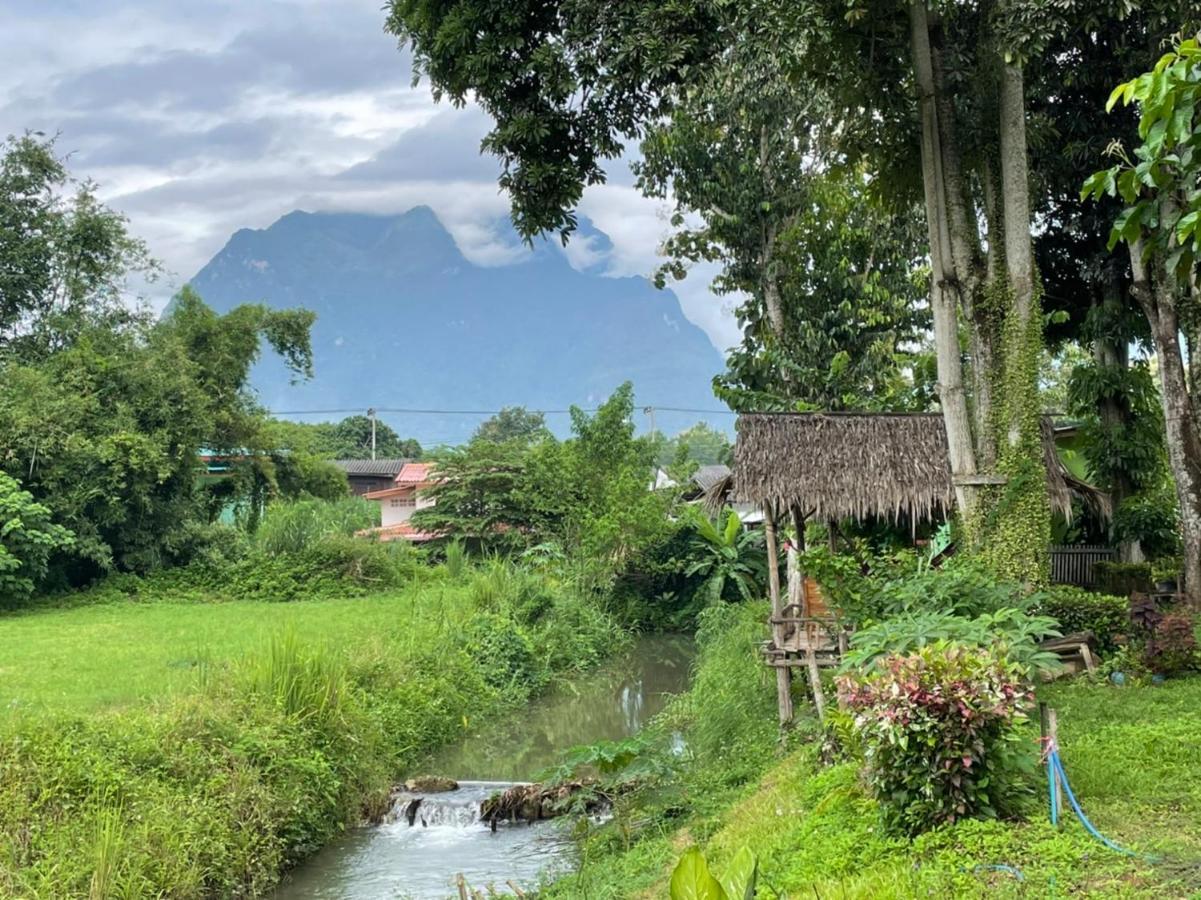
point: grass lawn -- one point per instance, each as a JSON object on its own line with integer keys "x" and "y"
{"x": 1133, "y": 755}
{"x": 116, "y": 654}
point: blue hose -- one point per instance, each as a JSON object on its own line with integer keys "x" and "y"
{"x": 1055, "y": 766}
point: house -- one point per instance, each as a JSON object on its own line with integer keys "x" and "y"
{"x": 400, "y": 499}
{"x": 367, "y": 475}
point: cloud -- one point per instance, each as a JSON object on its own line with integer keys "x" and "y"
{"x": 199, "y": 119}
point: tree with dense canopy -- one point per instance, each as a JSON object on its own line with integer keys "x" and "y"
{"x": 569, "y": 82}
{"x": 105, "y": 409}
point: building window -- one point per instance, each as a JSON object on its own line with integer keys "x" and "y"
{"x": 402, "y": 503}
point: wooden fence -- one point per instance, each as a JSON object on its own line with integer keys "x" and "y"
{"x": 1074, "y": 564}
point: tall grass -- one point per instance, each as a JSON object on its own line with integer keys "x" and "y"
{"x": 106, "y": 849}
{"x": 305, "y": 682}
{"x": 298, "y": 525}
{"x": 456, "y": 559}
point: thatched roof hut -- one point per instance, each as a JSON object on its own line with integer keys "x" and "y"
{"x": 835, "y": 466}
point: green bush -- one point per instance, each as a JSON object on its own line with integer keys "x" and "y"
{"x": 1122, "y": 579}
{"x": 941, "y": 732}
{"x": 27, "y": 541}
{"x": 1076, "y": 609}
{"x": 504, "y": 652}
{"x": 335, "y": 565}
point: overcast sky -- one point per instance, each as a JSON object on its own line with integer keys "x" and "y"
{"x": 204, "y": 117}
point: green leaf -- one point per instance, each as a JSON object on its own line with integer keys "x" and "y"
{"x": 741, "y": 875}
{"x": 1113, "y": 96}
{"x": 691, "y": 879}
{"x": 1187, "y": 225}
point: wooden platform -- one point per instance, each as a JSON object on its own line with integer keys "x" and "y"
{"x": 823, "y": 634}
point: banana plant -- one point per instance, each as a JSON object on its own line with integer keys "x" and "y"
{"x": 726, "y": 554}
{"x": 692, "y": 879}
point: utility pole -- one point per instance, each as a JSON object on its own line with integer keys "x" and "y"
{"x": 371, "y": 416}
{"x": 650, "y": 411}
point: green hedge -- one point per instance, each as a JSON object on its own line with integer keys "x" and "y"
{"x": 1123, "y": 579}
{"x": 1106, "y": 616}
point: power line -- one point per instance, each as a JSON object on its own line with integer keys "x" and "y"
{"x": 478, "y": 412}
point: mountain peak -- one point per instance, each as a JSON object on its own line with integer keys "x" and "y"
{"x": 405, "y": 320}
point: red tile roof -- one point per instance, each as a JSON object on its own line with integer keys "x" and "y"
{"x": 414, "y": 473}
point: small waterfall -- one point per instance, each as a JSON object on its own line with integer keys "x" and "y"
{"x": 449, "y": 809}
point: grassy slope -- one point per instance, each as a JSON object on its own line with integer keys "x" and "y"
{"x": 130, "y": 770}
{"x": 1133, "y": 755}
{"x": 117, "y": 654}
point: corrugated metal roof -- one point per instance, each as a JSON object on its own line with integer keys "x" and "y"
{"x": 707, "y": 476}
{"x": 385, "y": 468}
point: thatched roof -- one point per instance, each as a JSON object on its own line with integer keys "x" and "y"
{"x": 856, "y": 465}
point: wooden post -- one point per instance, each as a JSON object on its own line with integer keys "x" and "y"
{"x": 1049, "y": 725}
{"x": 783, "y": 673}
{"x": 811, "y": 635}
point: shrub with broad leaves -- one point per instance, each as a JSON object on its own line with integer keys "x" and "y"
{"x": 28, "y": 539}
{"x": 941, "y": 735}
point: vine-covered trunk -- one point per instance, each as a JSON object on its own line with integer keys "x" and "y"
{"x": 997, "y": 468}
{"x": 1181, "y": 423}
{"x": 1016, "y": 535}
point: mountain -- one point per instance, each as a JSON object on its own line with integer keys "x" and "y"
{"x": 405, "y": 321}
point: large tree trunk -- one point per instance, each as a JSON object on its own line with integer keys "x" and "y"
{"x": 1155, "y": 294}
{"x": 943, "y": 280}
{"x": 968, "y": 266}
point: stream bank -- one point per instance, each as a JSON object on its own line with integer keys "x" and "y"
{"x": 396, "y": 860}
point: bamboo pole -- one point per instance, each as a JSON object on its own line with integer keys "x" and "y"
{"x": 783, "y": 673}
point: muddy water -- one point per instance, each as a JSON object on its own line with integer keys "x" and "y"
{"x": 422, "y": 861}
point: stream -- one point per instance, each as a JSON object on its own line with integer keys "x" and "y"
{"x": 399, "y": 861}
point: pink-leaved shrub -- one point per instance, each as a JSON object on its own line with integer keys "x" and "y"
{"x": 941, "y": 733}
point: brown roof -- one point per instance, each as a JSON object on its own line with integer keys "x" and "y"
{"x": 857, "y": 465}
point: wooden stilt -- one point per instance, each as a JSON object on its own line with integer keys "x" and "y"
{"x": 783, "y": 674}
{"x": 815, "y": 681}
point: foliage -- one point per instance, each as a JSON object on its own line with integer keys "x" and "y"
{"x": 1012, "y": 633}
{"x": 700, "y": 444}
{"x": 485, "y": 497}
{"x": 1076, "y": 609}
{"x": 1122, "y": 579}
{"x": 512, "y": 423}
{"x": 588, "y": 494}
{"x": 1130, "y": 753}
{"x": 65, "y": 258}
{"x": 1167, "y": 163}
{"x": 301, "y": 475}
{"x": 1172, "y": 648}
{"x": 1151, "y": 517}
{"x": 731, "y": 560}
{"x": 105, "y": 432}
{"x": 941, "y": 732}
{"x": 347, "y": 439}
{"x": 28, "y": 539}
{"x": 691, "y": 879}
{"x": 728, "y": 716}
{"x": 295, "y": 526}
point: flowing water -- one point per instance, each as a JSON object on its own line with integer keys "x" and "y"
{"x": 446, "y": 838}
